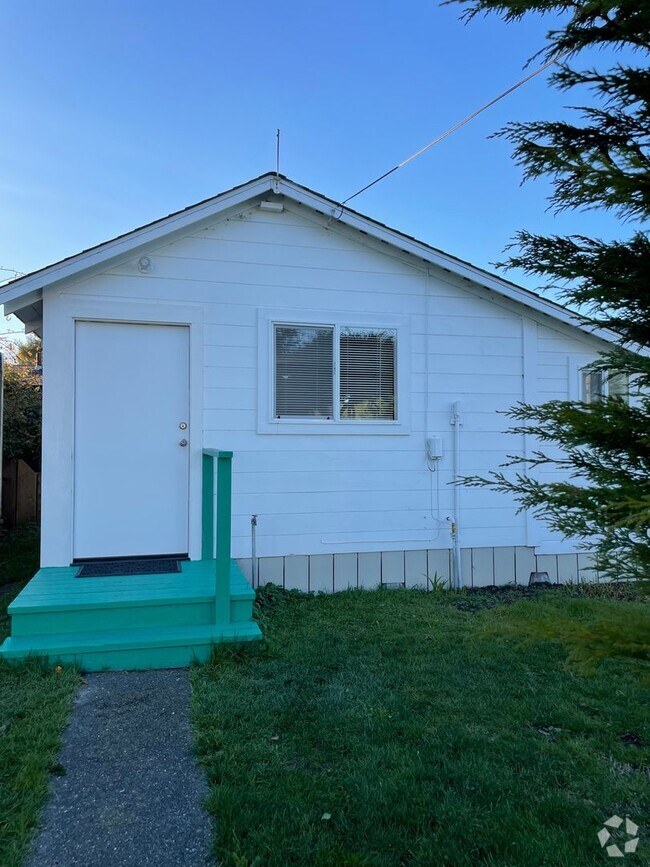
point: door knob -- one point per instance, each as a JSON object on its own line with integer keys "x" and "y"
{"x": 182, "y": 443}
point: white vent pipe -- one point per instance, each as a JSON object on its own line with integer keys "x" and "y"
{"x": 456, "y": 422}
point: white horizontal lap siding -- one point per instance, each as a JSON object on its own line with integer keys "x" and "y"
{"x": 477, "y": 359}
{"x": 557, "y": 351}
{"x": 328, "y": 494}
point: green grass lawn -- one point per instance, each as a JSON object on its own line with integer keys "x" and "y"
{"x": 19, "y": 555}
{"x": 35, "y": 704}
{"x": 391, "y": 728}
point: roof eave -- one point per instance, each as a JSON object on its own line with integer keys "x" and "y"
{"x": 449, "y": 263}
{"x": 12, "y": 294}
{"x": 28, "y": 290}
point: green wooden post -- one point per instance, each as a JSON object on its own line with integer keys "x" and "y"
{"x": 223, "y": 531}
{"x": 207, "y": 510}
{"x": 224, "y": 509}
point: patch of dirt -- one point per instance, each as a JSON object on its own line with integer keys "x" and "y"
{"x": 631, "y": 739}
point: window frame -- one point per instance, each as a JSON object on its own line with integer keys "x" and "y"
{"x": 585, "y": 396}
{"x": 578, "y": 365}
{"x": 266, "y": 420}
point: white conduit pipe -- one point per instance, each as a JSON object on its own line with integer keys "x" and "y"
{"x": 455, "y": 532}
{"x": 254, "y": 552}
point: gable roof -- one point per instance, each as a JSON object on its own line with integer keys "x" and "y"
{"x": 23, "y": 295}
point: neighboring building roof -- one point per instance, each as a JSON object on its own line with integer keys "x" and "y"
{"x": 22, "y": 295}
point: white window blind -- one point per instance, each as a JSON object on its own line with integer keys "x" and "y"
{"x": 367, "y": 373}
{"x": 304, "y": 364}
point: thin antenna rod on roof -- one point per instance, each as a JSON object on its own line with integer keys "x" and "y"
{"x": 277, "y": 161}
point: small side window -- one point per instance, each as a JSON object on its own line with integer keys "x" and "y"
{"x": 618, "y": 385}
{"x": 597, "y": 384}
{"x": 593, "y": 385}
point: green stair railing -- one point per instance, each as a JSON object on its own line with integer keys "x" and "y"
{"x": 223, "y": 461}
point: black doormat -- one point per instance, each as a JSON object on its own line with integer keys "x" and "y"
{"x": 106, "y": 568}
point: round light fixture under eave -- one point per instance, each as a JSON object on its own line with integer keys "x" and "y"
{"x": 144, "y": 265}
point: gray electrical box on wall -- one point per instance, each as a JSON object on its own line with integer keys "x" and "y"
{"x": 434, "y": 448}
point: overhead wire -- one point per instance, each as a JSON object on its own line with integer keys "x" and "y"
{"x": 422, "y": 150}
{"x": 456, "y": 126}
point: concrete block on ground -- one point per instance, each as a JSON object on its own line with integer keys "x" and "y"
{"x": 438, "y": 566}
{"x": 416, "y": 568}
{"x": 296, "y": 572}
{"x": 525, "y": 563}
{"x": 392, "y": 567}
{"x": 345, "y": 571}
{"x": 271, "y": 570}
{"x": 587, "y": 570}
{"x": 482, "y": 567}
{"x": 370, "y": 570}
{"x": 548, "y": 563}
{"x": 321, "y": 573}
{"x": 567, "y": 568}
{"x": 504, "y": 565}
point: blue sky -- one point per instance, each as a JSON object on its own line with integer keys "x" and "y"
{"x": 117, "y": 113}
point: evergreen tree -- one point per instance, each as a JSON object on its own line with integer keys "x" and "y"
{"x": 602, "y": 160}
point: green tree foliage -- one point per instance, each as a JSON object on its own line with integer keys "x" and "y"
{"x": 601, "y": 160}
{"x": 591, "y": 630}
{"x": 22, "y": 405}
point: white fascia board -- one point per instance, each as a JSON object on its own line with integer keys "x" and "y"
{"x": 22, "y": 301}
{"x": 32, "y": 285}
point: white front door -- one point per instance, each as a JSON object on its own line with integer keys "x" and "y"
{"x": 131, "y": 451}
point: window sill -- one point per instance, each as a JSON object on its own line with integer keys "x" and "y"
{"x": 329, "y": 427}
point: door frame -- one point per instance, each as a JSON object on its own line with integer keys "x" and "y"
{"x": 61, "y": 313}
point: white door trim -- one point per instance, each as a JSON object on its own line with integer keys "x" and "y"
{"x": 60, "y": 315}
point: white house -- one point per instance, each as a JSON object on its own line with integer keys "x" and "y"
{"x": 352, "y": 370}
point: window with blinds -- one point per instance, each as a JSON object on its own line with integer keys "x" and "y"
{"x": 367, "y": 373}
{"x": 304, "y": 371}
{"x": 593, "y": 385}
{"x": 596, "y": 384}
{"x": 618, "y": 385}
{"x": 306, "y": 357}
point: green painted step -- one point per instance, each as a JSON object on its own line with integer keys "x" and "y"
{"x": 81, "y": 618}
{"x": 56, "y": 601}
{"x": 122, "y": 622}
{"x": 161, "y": 647}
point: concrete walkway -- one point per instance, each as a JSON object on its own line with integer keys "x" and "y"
{"x": 130, "y": 792}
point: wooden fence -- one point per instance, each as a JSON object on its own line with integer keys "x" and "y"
{"x": 21, "y": 494}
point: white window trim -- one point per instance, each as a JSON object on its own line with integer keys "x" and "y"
{"x": 577, "y": 363}
{"x": 268, "y": 424}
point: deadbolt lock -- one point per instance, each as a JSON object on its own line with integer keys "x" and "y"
{"x": 183, "y": 425}
{"x": 182, "y": 443}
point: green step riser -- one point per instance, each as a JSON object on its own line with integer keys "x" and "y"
{"x": 241, "y": 610}
{"x": 140, "y": 658}
{"x": 143, "y": 616}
